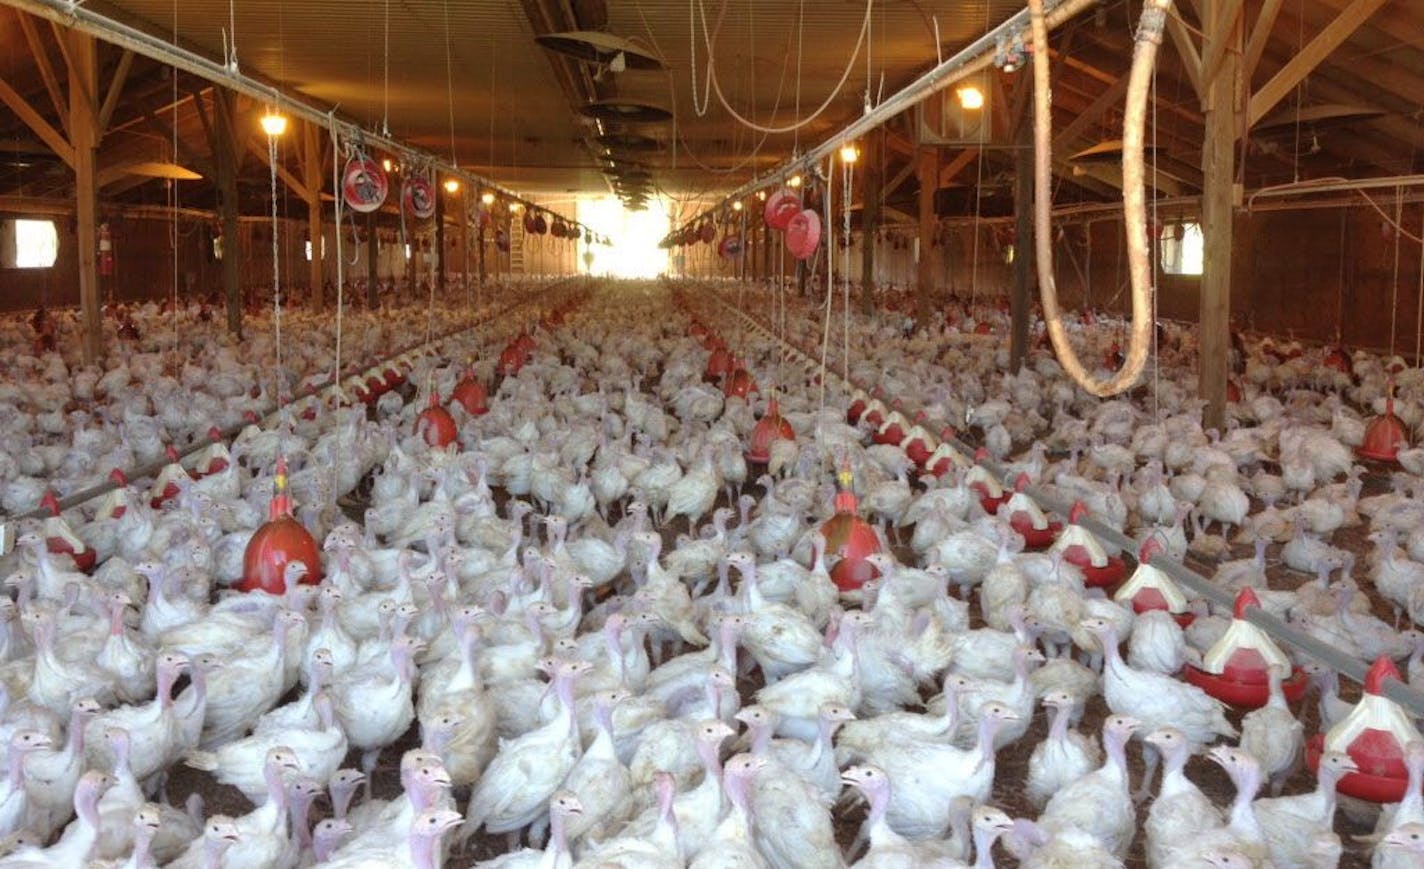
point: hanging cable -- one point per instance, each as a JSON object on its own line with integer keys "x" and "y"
{"x": 797, "y": 125}
{"x": 1148, "y": 38}
{"x": 281, "y": 397}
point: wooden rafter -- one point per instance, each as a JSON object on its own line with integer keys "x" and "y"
{"x": 1308, "y": 58}
{"x": 45, "y": 67}
{"x": 116, "y": 89}
{"x": 1260, "y": 33}
{"x": 52, "y": 138}
{"x": 1214, "y": 52}
{"x": 1110, "y": 97}
{"x": 1186, "y": 47}
{"x": 950, "y": 170}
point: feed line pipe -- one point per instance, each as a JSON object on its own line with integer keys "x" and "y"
{"x": 1134, "y": 205}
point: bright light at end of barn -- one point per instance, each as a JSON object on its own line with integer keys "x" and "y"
{"x": 634, "y": 234}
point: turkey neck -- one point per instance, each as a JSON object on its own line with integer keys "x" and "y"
{"x": 423, "y": 851}
{"x": 558, "y": 836}
{"x": 17, "y": 769}
{"x": 213, "y": 850}
{"x": 1412, "y": 806}
{"x": 1058, "y": 726}
{"x": 116, "y": 619}
{"x": 1243, "y": 814}
{"x": 984, "y": 848}
{"x": 1115, "y": 747}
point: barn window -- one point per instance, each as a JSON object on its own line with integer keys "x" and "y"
{"x": 34, "y": 244}
{"x": 1183, "y": 249}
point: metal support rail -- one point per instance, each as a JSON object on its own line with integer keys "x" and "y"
{"x": 1347, "y": 666}
{"x": 974, "y": 57}
{"x": 152, "y": 468}
{"x": 77, "y": 16}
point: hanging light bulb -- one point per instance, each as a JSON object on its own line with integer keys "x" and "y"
{"x": 970, "y": 97}
{"x": 849, "y": 154}
{"x": 386, "y": 164}
{"x": 761, "y": 195}
{"x": 274, "y": 124}
{"x": 514, "y": 207}
{"x": 487, "y": 197}
{"x": 794, "y": 181}
{"x": 452, "y": 185}
{"x": 737, "y": 206}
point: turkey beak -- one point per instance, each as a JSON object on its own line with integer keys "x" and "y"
{"x": 1348, "y": 764}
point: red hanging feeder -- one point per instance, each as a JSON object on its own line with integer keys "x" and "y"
{"x": 470, "y": 393}
{"x": 1384, "y": 435}
{"x": 1236, "y": 669}
{"x": 771, "y": 427}
{"x": 510, "y": 360}
{"x": 1151, "y": 589}
{"x": 740, "y": 384}
{"x": 436, "y": 423}
{"x": 719, "y": 365}
{"x": 850, "y": 538}
{"x": 1337, "y": 359}
{"x": 781, "y": 206}
{"x": 1374, "y": 735}
{"x": 803, "y": 234}
{"x": 279, "y": 541}
{"x": 1028, "y": 520}
{"x": 1082, "y": 550}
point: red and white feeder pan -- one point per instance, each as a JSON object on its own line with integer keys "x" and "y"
{"x": 165, "y": 486}
{"x": 213, "y": 459}
{"x": 859, "y": 401}
{"x": 278, "y": 541}
{"x": 60, "y": 539}
{"x": 1151, "y": 589}
{"x": 116, "y": 503}
{"x": 1028, "y": 520}
{"x": 892, "y": 429}
{"x": 1082, "y": 550}
{"x": 437, "y": 425}
{"x": 852, "y": 540}
{"x": 1236, "y": 669}
{"x": 991, "y": 495}
{"x": 919, "y": 444}
{"x": 875, "y": 413}
{"x": 946, "y": 457}
{"x": 770, "y": 428}
{"x": 1374, "y": 735}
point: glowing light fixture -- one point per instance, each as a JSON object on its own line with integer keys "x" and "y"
{"x": 274, "y": 124}
{"x": 737, "y": 206}
{"x": 386, "y": 164}
{"x": 849, "y": 154}
{"x": 761, "y": 195}
{"x": 452, "y": 185}
{"x": 794, "y": 181}
{"x": 487, "y": 198}
{"x": 970, "y": 97}
{"x": 514, "y": 207}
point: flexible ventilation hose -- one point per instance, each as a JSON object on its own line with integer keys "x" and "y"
{"x": 1134, "y": 200}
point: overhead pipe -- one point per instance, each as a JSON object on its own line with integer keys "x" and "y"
{"x": 1134, "y": 205}
{"x": 77, "y": 16}
{"x": 1337, "y": 660}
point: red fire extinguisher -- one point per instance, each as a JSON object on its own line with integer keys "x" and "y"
{"x": 106, "y": 250}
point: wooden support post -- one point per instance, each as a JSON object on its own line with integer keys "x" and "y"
{"x": 1021, "y": 300}
{"x": 870, "y": 181}
{"x": 1223, "y": 106}
{"x": 312, "y": 179}
{"x": 464, "y": 213}
{"x": 83, "y": 54}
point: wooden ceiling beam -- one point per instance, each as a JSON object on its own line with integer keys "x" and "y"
{"x": 1215, "y": 52}
{"x": 46, "y": 68}
{"x": 1185, "y": 43}
{"x": 52, "y": 138}
{"x": 1260, "y": 35}
{"x": 1401, "y": 21}
{"x": 1106, "y": 100}
{"x": 116, "y": 89}
{"x": 950, "y": 170}
{"x": 1307, "y": 59}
